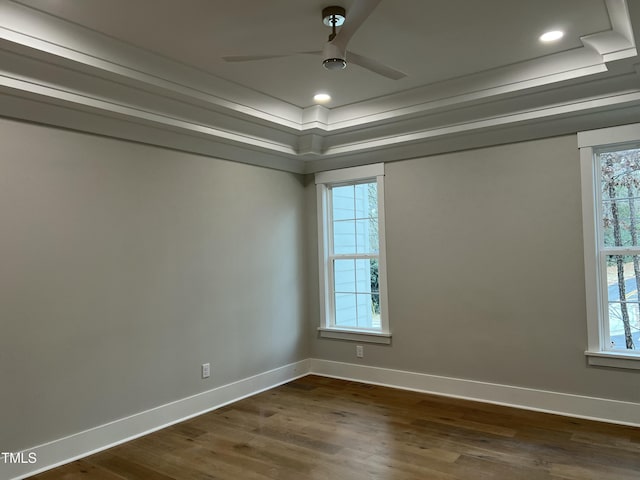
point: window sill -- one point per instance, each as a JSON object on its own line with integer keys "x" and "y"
{"x": 613, "y": 359}
{"x": 355, "y": 335}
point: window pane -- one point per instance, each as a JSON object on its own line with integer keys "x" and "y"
{"x": 373, "y": 269}
{"x": 375, "y": 311}
{"x": 346, "y": 311}
{"x": 344, "y": 276}
{"x": 367, "y": 236}
{"x": 623, "y": 279}
{"x": 367, "y": 275}
{"x": 372, "y": 245}
{"x": 372, "y": 195}
{"x": 363, "y": 276}
{"x": 343, "y": 200}
{"x": 357, "y": 310}
{"x": 620, "y": 186}
{"x": 344, "y": 237}
{"x": 365, "y": 311}
{"x": 361, "y": 200}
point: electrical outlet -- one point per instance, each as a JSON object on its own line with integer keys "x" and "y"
{"x": 359, "y": 351}
{"x": 206, "y": 370}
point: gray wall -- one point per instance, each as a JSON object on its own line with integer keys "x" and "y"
{"x": 123, "y": 267}
{"x": 485, "y": 271}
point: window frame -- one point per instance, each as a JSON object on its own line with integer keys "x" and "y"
{"x": 592, "y": 143}
{"x": 324, "y": 182}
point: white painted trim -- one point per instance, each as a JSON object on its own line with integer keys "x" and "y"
{"x": 593, "y": 293}
{"x": 621, "y": 20}
{"x": 613, "y": 359}
{"x": 609, "y": 136}
{"x": 450, "y": 97}
{"x": 138, "y": 114}
{"x": 579, "y": 406}
{"x": 43, "y": 110}
{"x": 382, "y": 259}
{"x": 537, "y": 114}
{"x": 356, "y": 336}
{"x": 352, "y": 174}
{"x": 323, "y": 251}
{"x": 618, "y": 42}
{"x": 82, "y": 444}
{"x": 315, "y": 117}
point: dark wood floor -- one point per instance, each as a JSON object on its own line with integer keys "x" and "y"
{"x": 320, "y": 428}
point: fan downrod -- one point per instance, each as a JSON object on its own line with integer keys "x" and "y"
{"x": 333, "y": 17}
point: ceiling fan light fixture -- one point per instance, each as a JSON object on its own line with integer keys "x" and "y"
{"x": 334, "y": 63}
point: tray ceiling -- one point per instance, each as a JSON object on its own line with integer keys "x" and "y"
{"x": 473, "y": 68}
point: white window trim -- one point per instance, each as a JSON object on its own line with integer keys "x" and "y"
{"x": 589, "y": 143}
{"x": 323, "y": 181}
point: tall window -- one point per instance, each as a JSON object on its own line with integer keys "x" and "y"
{"x": 620, "y": 248}
{"x": 610, "y": 161}
{"x": 352, "y": 262}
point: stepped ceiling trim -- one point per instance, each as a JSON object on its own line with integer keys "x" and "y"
{"x": 50, "y": 64}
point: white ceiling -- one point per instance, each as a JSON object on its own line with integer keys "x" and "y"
{"x": 152, "y": 71}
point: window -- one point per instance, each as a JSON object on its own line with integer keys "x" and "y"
{"x": 353, "y": 301}
{"x": 610, "y": 164}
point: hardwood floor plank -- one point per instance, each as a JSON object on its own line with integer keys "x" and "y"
{"x": 78, "y": 470}
{"x": 317, "y": 428}
{"x": 126, "y": 468}
{"x": 501, "y": 470}
{"x": 164, "y": 463}
{"x": 299, "y": 439}
{"x": 605, "y": 440}
{"x": 579, "y": 472}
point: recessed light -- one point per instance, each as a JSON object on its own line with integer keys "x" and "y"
{"x": 322, "y": 97}
{"x": 551, "y": 36}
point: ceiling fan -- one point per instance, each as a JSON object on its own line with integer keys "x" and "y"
{"x": 335, "y": 55}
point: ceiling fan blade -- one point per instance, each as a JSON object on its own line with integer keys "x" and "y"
{"x": 357, "y": 14}
{"x": 251, "y": 58}
{"x": 375, "y": 66}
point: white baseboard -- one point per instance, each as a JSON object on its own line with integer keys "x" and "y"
{"x": 600, "y": 409}
{"x": 73, "y": 447}
{"x": 90, "y": 441}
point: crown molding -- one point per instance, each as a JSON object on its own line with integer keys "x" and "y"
{"x": 73, "y": 77}
{"x": 75, "y": 117}
{"x": 617, "y": 43}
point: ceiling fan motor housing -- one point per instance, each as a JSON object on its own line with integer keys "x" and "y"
{"x": 334, "y": 58}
